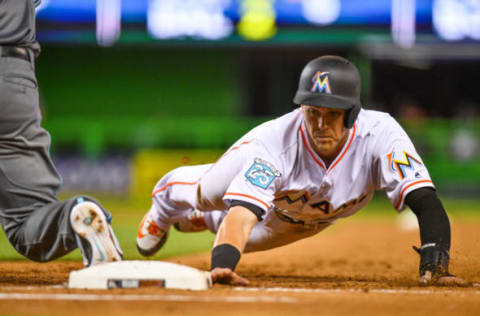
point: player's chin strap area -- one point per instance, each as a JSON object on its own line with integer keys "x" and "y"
{"x": 433, "y": 258}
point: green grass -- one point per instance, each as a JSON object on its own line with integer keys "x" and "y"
{"x": 128, "y": 213}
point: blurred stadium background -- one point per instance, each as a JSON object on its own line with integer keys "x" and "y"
{"x": 133, "y": 88}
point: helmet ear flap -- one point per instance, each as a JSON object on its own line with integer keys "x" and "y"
{"x": 351, "y": 116}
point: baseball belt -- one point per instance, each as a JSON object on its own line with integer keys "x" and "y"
{"x": 15, "y": 52}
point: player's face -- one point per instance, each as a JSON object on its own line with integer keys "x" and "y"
{"x": 326, "y": 130}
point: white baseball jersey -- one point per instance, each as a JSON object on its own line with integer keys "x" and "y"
{"x": 275, "y": 168}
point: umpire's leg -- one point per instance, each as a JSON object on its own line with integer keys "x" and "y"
{"x": 35, "y": 223}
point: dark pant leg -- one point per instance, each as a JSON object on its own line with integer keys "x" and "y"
{"x": 35, "y": 223}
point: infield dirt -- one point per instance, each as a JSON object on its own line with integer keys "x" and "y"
{"x": 352, "y": 268}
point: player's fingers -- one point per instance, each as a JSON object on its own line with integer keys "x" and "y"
{"x": 426, "y": 279}
{"x": 448, "y": 280}
{"x": 227, "y": 276}
{"x": 222, "y": 275}
{"x": 451, "y": 281}
{"x": 238, "y": 280}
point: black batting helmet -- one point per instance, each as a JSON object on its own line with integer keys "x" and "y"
{"x": 332, "y": 82}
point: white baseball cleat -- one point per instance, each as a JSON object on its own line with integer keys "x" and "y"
{"x": 150, "y": 237}
{"x": 193, "y": 222}
{"x": 95, "y": 236}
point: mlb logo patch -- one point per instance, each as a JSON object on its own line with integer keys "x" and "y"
{"x": 261, "y": 173}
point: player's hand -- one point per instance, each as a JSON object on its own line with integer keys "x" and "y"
{"x": 446, "y": 280}
{"x": 434, "y": 267}
{"x": 227, "y": 276}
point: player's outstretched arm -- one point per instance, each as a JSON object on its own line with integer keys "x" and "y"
{"x": 435, "y": 237}
{"x": 229, "y": 244}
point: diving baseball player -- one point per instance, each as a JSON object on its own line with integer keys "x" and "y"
{"x": 294, "y": 176}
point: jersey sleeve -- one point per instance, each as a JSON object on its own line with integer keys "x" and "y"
{"x": 399, "y": 169}
{"x": 258, "y": 179}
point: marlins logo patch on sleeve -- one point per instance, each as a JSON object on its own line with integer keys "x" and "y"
{"x": 403, "y": 163}
{"x": 261, "y": 173}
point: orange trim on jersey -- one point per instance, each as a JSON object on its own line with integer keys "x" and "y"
{"x": 250, "y": 197}
{"x": 405, "y": 189}
{"x": 195, "y": 182}
{"x": 341, "y": 155}
{"x": 309, "y": 150}
{"x": 242, "y": 143}
{"x": 346, "y": 148}
{"x": 228, "y": 152}
{"x": 172, "y": 183}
